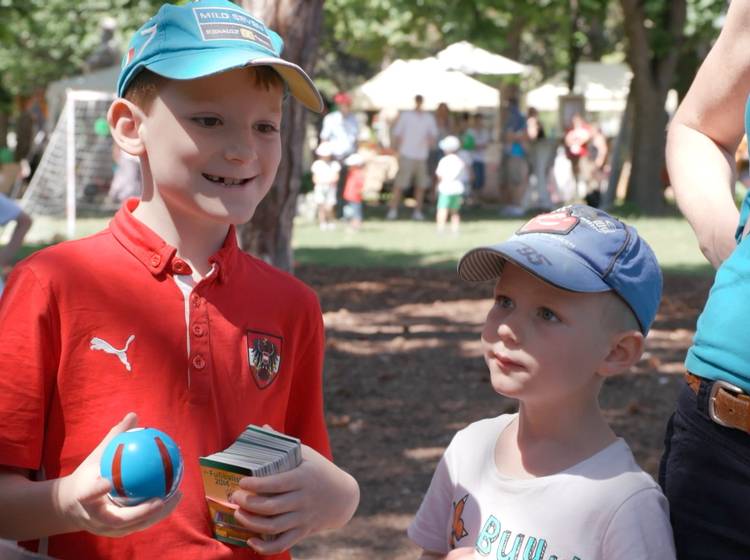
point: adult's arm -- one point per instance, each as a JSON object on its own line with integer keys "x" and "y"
{"x": 704, "y": 134}
{"x": 20, "y": 229}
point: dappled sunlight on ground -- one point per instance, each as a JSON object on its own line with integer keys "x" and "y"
{"x": 403, "y": 373}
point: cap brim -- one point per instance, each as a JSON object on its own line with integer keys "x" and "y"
{"x": 552, "y": 263}
{"x": 190, "y": 65}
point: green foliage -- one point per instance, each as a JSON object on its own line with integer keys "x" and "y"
{"x": 360, "y": 36}
{"x": 44, "y": 40}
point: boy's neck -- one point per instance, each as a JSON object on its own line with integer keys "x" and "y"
{"x": 195, "y": 239}
{"x": 545, "y": 439}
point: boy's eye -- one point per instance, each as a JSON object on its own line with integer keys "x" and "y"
{"x": 266, "y": 128}
{"x": 208, "y": 122}
{"x": 547, "y": 315}
{"x": 503, "y": 302}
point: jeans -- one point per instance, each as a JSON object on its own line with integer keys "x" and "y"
{"x": 477, "y": 168}
{"x": 705, "y": 474}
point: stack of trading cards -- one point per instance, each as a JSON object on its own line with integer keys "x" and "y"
{"x": 256, "y": 452}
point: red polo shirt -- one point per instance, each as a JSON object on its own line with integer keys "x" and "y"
{"x": 183, "y": 363}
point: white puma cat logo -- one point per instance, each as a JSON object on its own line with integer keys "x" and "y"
{"x": 99, "y": 344}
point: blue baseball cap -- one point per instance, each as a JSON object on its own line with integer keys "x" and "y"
{"x": 580, "y": 249}
{"x": 207, "y": 37}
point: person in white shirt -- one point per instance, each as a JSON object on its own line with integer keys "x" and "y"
{"x": 576, "y": 292}
{"x": 325, "y": 176}
{"x": 413, "y": 135}
{"x": 452, "y": 173}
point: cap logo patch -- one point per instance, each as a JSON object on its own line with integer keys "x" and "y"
{"x": 228, "y": 24}
{"x": 264, "y": 357}
{"x": 554, "y": 222}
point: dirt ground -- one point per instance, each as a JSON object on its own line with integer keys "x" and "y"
{"x": 403, "y": 373}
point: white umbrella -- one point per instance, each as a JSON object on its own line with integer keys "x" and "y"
{"x": 396, "y": 86}
{"x": 604, "y": 87}
{"x": 467, "y": 58}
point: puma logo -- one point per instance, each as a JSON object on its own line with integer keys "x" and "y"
{"x": 100, "y": 344}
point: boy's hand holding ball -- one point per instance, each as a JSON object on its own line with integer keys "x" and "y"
{"x": 83, "y": 495}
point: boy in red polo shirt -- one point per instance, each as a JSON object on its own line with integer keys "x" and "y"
{"x": 179, "y": 306}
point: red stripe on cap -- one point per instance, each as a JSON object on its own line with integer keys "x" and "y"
{"x": 167, "y": 462}
{"x": 117, "y": 471}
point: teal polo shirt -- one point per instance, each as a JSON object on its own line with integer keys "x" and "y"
{"x": 721, "y": 347}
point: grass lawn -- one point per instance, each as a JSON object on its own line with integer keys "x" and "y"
{"x": 403, "y": 242}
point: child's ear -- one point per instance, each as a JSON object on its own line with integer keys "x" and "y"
{"x": 624, "y": 352}
{"x": 124, "y": 120}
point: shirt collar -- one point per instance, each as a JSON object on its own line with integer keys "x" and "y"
{"x": 155, "y": 254}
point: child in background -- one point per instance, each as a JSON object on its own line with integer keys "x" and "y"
{"x": 451, "y": 172}
{"x": 325, "y": 176}
{"x": 182, "y": 309}
{"x": 355, "y": 182}
{"x": 576, "y": 292}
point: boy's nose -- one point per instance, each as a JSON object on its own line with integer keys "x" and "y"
{"x": 507, "y": 332}
{"x": 239, "y": 152}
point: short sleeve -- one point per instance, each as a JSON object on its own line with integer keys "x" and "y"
{"x": 433, "y": 127}
{"x": 429, "y": 529}
{"x": 398, "y": 128}
{"x": 640, "y": 528}
{"x": 29, "y": 354}
{"x": 305, "y": 416}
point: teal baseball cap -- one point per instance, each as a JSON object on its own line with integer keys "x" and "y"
{"x": 207, "y": 37}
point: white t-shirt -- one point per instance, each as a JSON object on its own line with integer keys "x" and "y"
{"x": 451, "y": 171}
{"x": 341, "y": 131}
{"x": 325, "y": 173}
{"x": 417, "y": 132}
{"x": 603, "y": 508}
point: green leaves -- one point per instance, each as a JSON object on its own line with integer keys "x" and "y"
{"x": 44, "y": 40}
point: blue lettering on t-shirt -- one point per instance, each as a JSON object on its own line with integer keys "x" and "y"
{"x": 491, "y": 534}
{"x": 488, "y": 535}
{"x": 512, "y": 554}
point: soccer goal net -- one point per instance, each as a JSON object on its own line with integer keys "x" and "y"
{"x": 76, "y": 168}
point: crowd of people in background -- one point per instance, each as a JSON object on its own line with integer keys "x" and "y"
{"x": 441, "y": 159}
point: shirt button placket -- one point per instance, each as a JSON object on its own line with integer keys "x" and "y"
{"x": 200, "y": 356}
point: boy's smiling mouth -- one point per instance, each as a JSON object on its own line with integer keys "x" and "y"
{"x": 226, "y": 181}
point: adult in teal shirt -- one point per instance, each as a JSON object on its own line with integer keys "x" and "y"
{"x": 705, "y": 470}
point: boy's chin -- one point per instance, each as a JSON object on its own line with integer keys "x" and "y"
{"x": 235, "y": 216}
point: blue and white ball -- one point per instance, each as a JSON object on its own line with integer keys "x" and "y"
{"x": 141, "y": 464}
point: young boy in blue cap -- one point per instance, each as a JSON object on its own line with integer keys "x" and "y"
{"x": 575, "y": 294}
{"x": 162, "y": 320}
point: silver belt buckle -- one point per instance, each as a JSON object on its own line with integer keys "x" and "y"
{"x": 720, "y": 384}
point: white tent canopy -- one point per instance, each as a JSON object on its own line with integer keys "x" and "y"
{"x": 604, "y": 87}
{"x": 396, "y": 86}
{"x": 470, "y": 59}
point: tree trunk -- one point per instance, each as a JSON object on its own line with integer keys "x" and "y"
{"x": 4, "y": 120}
{"x": 574, "y": 50}
{"x": 269, "y": 234}
{"x": 653, "y": 75}
{"x": 620, "y": 152}
{"x": 646, "y": 184}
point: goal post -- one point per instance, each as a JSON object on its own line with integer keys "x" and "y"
{"x": 76, "y": 167}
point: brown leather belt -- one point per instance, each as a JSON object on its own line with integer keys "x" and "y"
{"x": 728, "y": 405}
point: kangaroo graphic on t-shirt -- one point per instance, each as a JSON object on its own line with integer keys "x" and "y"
{"x": 100, "y": 344}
